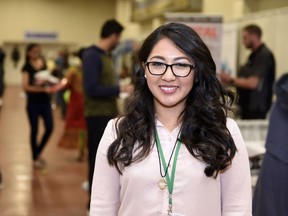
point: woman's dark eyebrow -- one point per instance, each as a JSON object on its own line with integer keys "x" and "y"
{"x": 157, "y": 57}
{"x": 162, "y": 58}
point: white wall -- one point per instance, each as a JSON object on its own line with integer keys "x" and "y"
{"x": 229, "y": 9}
{"x": 74, "y": 20}
{"x": 260, "y": 5}
{"x": 123, "y": 14}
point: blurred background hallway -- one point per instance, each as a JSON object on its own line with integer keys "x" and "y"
{"x": 53, "y": 191}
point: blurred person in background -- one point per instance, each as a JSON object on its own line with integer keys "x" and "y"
{"x": 38, "y": 93}
{"x": 62, "y": 64}
{"x": 101, "y": 88}
{"x": 271, "y": 192}
{"x": 74, "y": 136}
{"x": 255, "y": 79}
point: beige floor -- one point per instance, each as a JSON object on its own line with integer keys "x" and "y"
{"x": 54, "y": 191}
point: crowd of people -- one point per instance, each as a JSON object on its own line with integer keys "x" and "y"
{"x": 175, "y": 143}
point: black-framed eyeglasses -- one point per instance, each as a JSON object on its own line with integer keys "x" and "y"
{"x": 178, "y": 69}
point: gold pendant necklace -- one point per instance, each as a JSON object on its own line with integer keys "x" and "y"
{"x": 162, "y": 184}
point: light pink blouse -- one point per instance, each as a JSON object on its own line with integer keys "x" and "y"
{"x": 136, "y": 192}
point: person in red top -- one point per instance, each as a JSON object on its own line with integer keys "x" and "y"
{"x": 74, "y": 135}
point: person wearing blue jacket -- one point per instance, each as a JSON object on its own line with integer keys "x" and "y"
{"x": 271, "y": 192}
{"x": 101, "y": 88}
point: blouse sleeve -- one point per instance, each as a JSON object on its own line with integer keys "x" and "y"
{"x": 105, "y": 184}
{"x": 236, "y": 180}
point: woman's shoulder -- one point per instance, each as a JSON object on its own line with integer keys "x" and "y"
{"x": 236, "y": 134}
{"x": 232, "y": 126}
{"x": 114, "y": 123}
{"x": 110, "y": 133}
{"x": 26, "y": 67}
{"x": 230, "y": 123}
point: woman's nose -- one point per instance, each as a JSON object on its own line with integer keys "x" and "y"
{"x": 169, "y": 75}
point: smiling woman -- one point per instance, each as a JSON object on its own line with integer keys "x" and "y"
{"x": 175, "y": 145}
{"x": 169, "y": 84}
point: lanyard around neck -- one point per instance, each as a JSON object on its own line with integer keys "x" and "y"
{"x": 170, "y": 181}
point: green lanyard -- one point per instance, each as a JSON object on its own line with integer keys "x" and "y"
{"x": 170, "y": 182}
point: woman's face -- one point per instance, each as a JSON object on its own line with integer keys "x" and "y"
{"x": 169, "y": 91}
{"x": 34, "y": 53}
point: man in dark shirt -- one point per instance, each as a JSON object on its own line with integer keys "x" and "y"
{"x": 101, "y": 88}
{"x": 255, "y": 79}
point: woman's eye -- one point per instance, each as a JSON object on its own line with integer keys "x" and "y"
{"x": 157, "y": 64}
{"x": 181, "y": 65}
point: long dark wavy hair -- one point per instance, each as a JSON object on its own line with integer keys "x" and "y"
{"x": 204, "y": 131}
